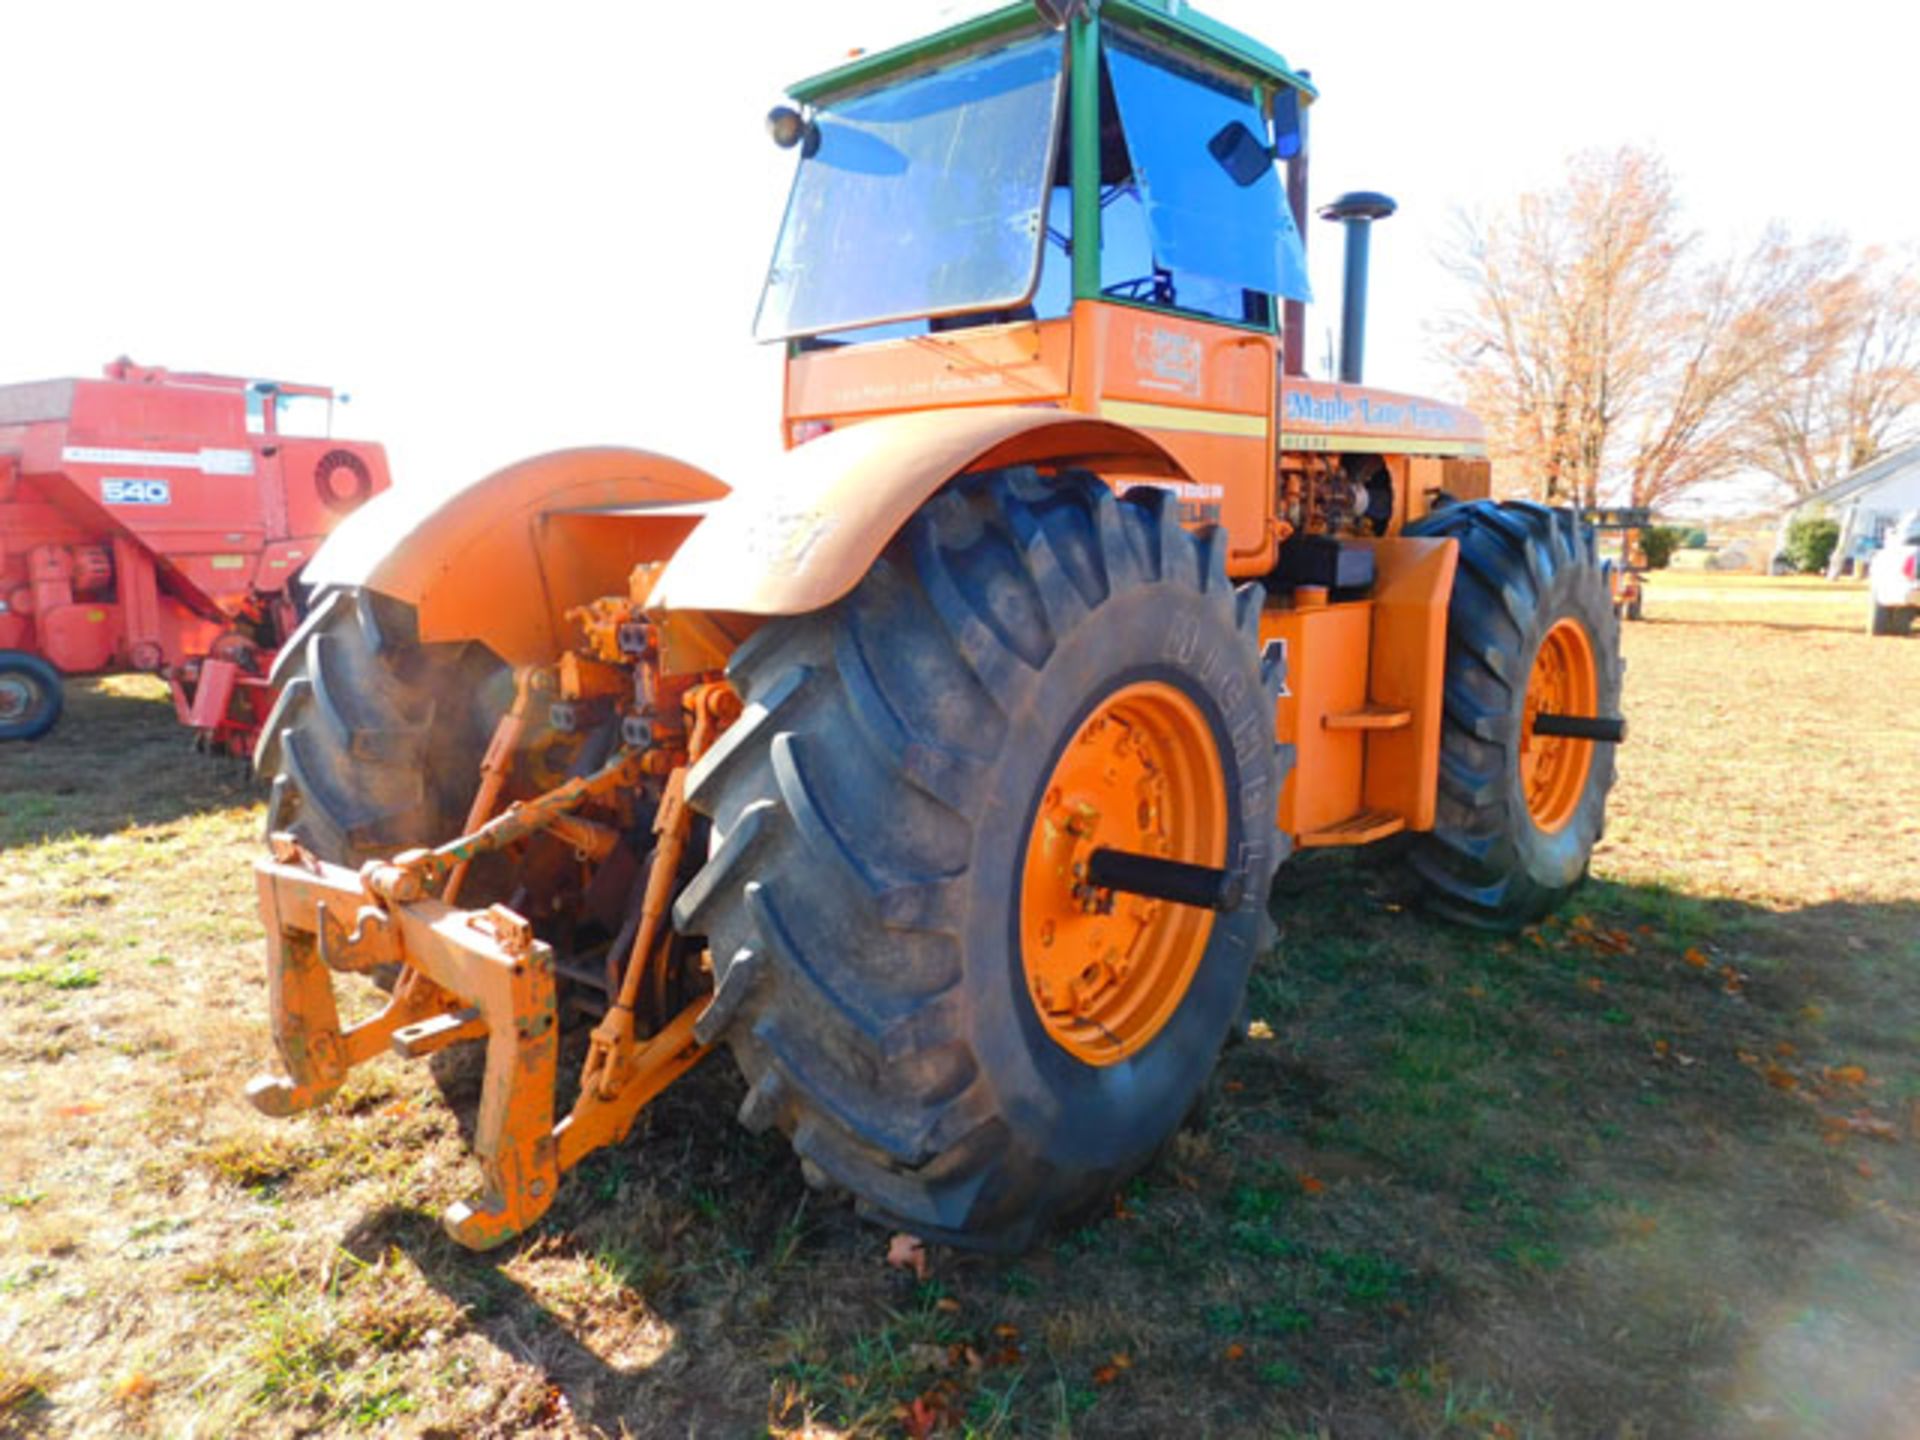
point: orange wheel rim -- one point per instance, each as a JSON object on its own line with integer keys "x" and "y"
{"x": 1106, "y": 971}
{"x": 1553, "y": 768}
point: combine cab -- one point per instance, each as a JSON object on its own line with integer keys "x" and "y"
{"x": 157, "y": 521}
{"x": 942, "y": 777}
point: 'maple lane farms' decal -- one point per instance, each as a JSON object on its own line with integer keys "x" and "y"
{"x": 1317, "y": 415}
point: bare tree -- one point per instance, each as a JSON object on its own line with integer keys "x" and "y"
{"x": 1842, "y": 381}
{"x": 1563, "y": 336}
{"x": 1611, "y": 359}
{"x": 1719, "y": 346}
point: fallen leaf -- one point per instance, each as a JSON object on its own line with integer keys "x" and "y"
{"x": 1006, "y": 1332}
{"x": 1476, "y": 992}
{"x": 1786, "y": 1049}
{"x": 137, "y": 1386}
{"x": 1236, "y": 1351}
{"x": 1234, "y": 1087}
{"x": 1313, "y": 1185}
{"x": 78, "y": 1109}
{"x": 1593, "y": 983}
{"x": 924, "y": 1415}
{"x": 1260, "y": 1030}
{"x": 1120, "y": 1360}
{"x": 1848, "y": 1074}
{"x": 1694, "y": 958}
{"x": 1661, "y": 1047}
{"x": 947, "y": 1305}
{"x": 1866, "y": 1170}
{"x": 1105, "y": 1375}
{"x": 907, "y": 1252}
{"x": 1780, "y": 1079}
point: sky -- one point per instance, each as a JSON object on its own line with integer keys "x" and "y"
{"x": 510, "y": 229}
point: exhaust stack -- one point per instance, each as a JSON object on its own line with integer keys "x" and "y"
{"x": 1357, "y": 210}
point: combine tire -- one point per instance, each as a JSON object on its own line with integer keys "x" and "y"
{"x": 30, "y": 698}
{"x": 1531, "y": 628}
{"x": 374, "y": 744}
{"x": 920, "y": 989}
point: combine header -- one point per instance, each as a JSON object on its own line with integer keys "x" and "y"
{"x": 941, "y": 778}
{"x": 155, "y": 521}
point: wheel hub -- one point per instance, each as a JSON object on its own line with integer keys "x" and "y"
{"x": 1106, "y": 971}
{"x": 1554, "y": 768}
{"x": 16, "y": 696}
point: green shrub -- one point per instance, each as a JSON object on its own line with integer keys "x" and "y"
{"x": 1696, "y": 540}
{"x": 1658, "y": 542}
{"x": 1810, "y": 542}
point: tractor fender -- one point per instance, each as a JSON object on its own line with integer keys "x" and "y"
{"x": 503, "y": 559}
{"x": 805, "y": 537}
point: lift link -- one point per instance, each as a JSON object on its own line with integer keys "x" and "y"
{"x": 612, "y": 1050}
{"x": 474, "y": 974}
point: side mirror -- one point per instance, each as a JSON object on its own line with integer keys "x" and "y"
{"x": 1240, "y": 153}
{"x": 789, "y": 128}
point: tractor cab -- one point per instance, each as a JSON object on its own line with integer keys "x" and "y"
{"x": 1083, "y": 213}
{"x": 973, "y": 179}
{"x": 1099, "y": 212}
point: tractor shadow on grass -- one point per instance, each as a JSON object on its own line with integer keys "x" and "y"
{"x": 1648, "y": 1169}
{"x": 119, "y": 757}
{"x": 1619, "y": 1176}
{"x": 623, "y": 1299}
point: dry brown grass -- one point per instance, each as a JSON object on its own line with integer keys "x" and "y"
{"x": 1570, "y": 1185}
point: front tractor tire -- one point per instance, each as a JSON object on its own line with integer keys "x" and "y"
{"x": 374, "y": 743}
{"x": 1531, "y": 628}
{"x": 923, "y": 992}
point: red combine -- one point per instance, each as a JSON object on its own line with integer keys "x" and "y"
{"x": 156, "y": 521}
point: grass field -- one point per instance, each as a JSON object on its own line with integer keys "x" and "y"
{"x": 1651, "y": 1171}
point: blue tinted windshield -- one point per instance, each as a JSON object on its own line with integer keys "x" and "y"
{"x": 924, "y": 198}
{"x": 1201, "y": 220}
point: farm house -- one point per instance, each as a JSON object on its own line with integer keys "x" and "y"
{"x": 1868, "y": 503}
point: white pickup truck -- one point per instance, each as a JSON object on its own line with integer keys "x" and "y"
{"x": 1894, "y": 579}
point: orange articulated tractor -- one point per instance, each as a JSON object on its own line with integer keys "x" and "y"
{"x": 155, "y": 520}
{"x": 942, "y": 778}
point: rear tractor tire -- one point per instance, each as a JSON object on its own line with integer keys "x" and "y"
{"x": 374, "y": 744}
{"x": 921, "y": 989}
{"x": 1531, "y": 628}
{"x": 30, "y": 696}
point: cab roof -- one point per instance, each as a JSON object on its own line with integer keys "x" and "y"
{"x": 1172, "y": 22}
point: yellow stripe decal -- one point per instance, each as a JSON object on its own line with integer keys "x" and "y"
{"x": 1184, "y": 417}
